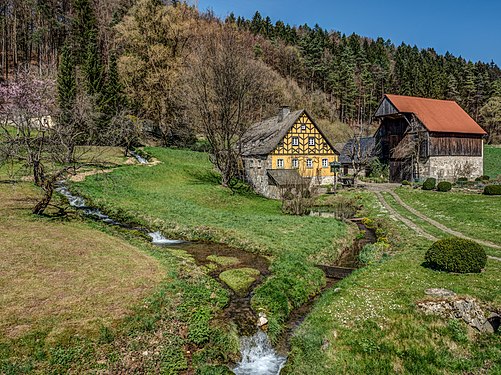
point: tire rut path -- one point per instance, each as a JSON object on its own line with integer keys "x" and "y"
{"x": 420, "y": 231}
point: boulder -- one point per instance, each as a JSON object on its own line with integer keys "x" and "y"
{"x": 467, "y": 309}
{"x": 439, "y": 292}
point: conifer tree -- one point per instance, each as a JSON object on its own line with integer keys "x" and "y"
{"x": 66, "y": 85}
{"x": 93, "y": 67}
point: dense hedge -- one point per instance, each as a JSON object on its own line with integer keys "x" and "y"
{"x": 444, "y": 186}
{"x": 429, "y": 184}
{"x": 456, "y": 255}
{"x": 492, "y": 190}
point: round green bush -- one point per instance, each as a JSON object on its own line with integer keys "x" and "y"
{"x": 429, "y": 184}
{"x": 456, "y": 255}
{"x": 444, "y": 186}
{"x": 405, "y": 183}
{"x": 492, "y": 190}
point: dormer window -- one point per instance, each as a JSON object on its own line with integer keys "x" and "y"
{"x": 280, "y": 163}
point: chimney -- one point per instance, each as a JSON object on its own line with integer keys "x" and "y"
{"x": 283, "y": 112}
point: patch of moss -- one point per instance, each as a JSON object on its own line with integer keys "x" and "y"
{"x": 223, "y": 261}
{"x": 239, "y": 279}
{"x": 210, "y": 267}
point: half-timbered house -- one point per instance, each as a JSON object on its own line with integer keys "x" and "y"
{"x": 284, "y": 149}
{"x": 422, "y": 138}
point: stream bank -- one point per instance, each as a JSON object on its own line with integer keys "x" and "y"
{"x": 255, "y": 348}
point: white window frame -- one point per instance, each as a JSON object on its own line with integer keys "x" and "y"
{"x": 280, "y": 163}
{"x": 295, "y": 163}
{"x": 295, "y": 141}
{"x": 311, "y": 141}
{"x": 303, "y": 127}
{"x": 325, "y": 163}
{"x": 309, "y": 163}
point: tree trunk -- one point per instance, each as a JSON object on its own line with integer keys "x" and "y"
{"x": 44, "y": 202}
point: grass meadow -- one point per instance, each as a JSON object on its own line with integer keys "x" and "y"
{"x": 369, "y": 323}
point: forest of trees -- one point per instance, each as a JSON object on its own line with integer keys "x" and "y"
{"x": 148, "y": 46}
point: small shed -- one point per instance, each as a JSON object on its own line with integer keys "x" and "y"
{"x": 357, "y": 155}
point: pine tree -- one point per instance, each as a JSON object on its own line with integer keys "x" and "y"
{"x": 66, "y": 85}
{"x": 113, "y": 97}
{"x": 93, "y": 67}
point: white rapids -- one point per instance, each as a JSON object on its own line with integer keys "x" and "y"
{"x": 139, "y": 158}
{"x": 258, "y": 356}
{"x": 158, "y": 239}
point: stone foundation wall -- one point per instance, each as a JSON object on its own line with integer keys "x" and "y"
{"x": 450, "y": 168}
{"x": 257, "y": 177}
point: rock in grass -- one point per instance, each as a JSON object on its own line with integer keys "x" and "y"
{"x": 223, "y": 261}
{"x": 239, "y": 279}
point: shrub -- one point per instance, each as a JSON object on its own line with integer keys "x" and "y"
{"x": 482, "y": 178}
{"x": 429, "y": 184}
{"x": 462, "y": 179}
{"x": 456, "y": 255}
{"x": 492, "y": 190}
{"x": 444, "y": 186}
{"x": 405, "y": 183}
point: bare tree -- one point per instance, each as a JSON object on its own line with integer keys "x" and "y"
{"x": 361, "y": 152}
{"x": 228, "y": 90}
{"x": 413, "y": 148}
{"x": 297, "y": 194}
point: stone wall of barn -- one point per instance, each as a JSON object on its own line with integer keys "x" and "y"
{"x": 450, "y": 168}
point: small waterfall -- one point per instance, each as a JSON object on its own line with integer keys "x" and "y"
{"x": 139, "y": 158}
{"x": 258, "y": 356}
{"x": 158, "y": 239}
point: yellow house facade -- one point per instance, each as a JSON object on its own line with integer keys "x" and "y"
{"x": 287, "y": 145}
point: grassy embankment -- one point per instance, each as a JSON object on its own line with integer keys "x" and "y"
{"x": 182, "y": 197}
{"x": 78, "y": 297}
{"x": 371, "y": 325}
{"x": 492, "y": 161}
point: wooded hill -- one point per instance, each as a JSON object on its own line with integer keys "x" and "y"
{"x": 337, "y": 77}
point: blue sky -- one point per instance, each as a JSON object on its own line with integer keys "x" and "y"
{"x": 471, "y": 29}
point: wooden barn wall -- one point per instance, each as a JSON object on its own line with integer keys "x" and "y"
{"x": 386, "y": 108}
{"x": 389, "y": 135}
{"x": 454, "y": 145}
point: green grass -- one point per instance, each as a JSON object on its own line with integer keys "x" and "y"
{"x": 492, "y": 161}
{"x": 183, "y": 198}
{"x": 83, "y": 297}
{"x": 369, "y": 323}
{"x": 474, "y": 215}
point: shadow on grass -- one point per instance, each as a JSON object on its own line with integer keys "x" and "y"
{"x": 213, "y": 178}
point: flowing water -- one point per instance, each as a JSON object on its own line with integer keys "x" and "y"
{"x": 139, "y": 158}
{"x": 258, "y": 356}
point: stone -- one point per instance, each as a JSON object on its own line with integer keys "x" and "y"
{"x": 262, "y": 320}
{"x": 439, "y": 292}
{"x": 466, "y": 309}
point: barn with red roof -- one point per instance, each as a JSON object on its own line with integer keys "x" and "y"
{"x": 420, "y": 138}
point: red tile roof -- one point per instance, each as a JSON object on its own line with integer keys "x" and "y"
{"x": 443, "y": 116}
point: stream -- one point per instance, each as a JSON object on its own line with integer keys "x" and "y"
{"x": 258, "y": 357}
